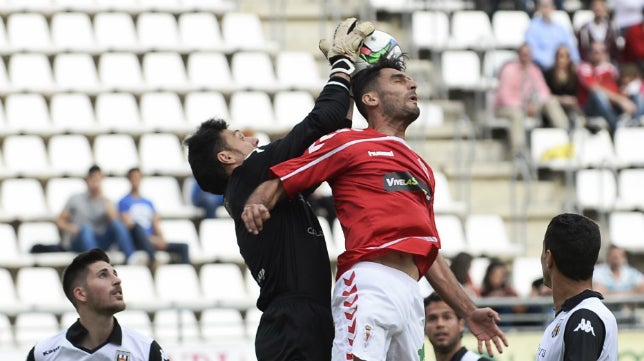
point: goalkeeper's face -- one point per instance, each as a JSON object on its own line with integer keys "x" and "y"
{"x": 238, "y": 146}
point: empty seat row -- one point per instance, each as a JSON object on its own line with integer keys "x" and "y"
{"x": 122, "y": 71}
{"x": 72, "y": 155}
{"x": 120, "y": 31}
{"x": 131, "y": 6}
{"x": 605, "y": 190}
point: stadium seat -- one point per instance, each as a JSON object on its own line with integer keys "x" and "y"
{"x": 580, "y": 17}
{"x": 254, "y": 71}
{"x": 157, "y": 32}
{"x": 223, "y": 284}
{"x": 6, "y": 332}
{"x": 27, "y": 114}
{"x": 209, "y": 71}
{"x": 596, "y": 189}
{"x": 331, "y": 248}
{"x": 629, "y": 183}
{"x": 126, "y": 6}
{"x": 179, "y": 285}
{"x": 486, "y": 235}
{"x": 118, "y": 113}
{"x": 5, "y": 85}
{"x": 83, "y": 6}
{"x": 509, "y": 28}
{"x": 443, "y": 201}
{"x": 24, "y": 199}
{"x": 31, "y": 72}
{"x": 10, "y": 258}
{"x": 174, "y": 326}
{"x": 561, "y": 17}
{"x": 43, "y": 233}
{"x": 137, "y": 320}
{"x": 200, "y": 31}
{"x": 70, "y": 155}
{"x": 338, "y": 235}
{"x": 184, "y": 230}
{"x": 477, "y": 270}
{"x": 162, "y": 154}
{"x": 59, "y": 189}
{"x": 543, "y": 141}
{"x": 201, "y": 106}
{"x": 114, "y": 188}
{"x": 222, "y": 324}
{"x": 628, "y": 144}
{"x": 139, "y": 290}
{"x": 76, "y": 72}
{"x": 73, "y": 113}
{"x": 26, "y": 156}
{"x": 219, "y": 241}
{"x": 28, "y": 32}
{"x": 165, "y": 193}
{"x": 431, "y": 116}
{"x": 593, "y": 150}
{"x": 218, "y": 7}
{"x": 429, "y": 30}
{"x": 4, "y": 42}
{"x": 162, "y": 112}
{"x": 450, "y": 230}
{"x": 291, "y": 107}
{"x": 253, "y": 315}
{"x": 34, "y": 282}
{"x": 244, "y": 32}
{"x": 9, "y": 302}
{"x": 461, "y": 70}
{"x": 121, "y": 72}
{"x": 251, "y": 285}
{"x": 471, "y": 29}
{"x": 525, "y": 270}
{"x": 160, "y": 6}
{"x": 32, "y": 327}
{"x": 625, "y": 229}
{"x": 115, "y": 153}
{"x": 252, "y": 110}
{"x": 115, "y": 31}
{"x": 164, "y": 71}
{"x": 298, "y": 70}
{"x": 493, "y": 61}
{"x": 72, "y": 31}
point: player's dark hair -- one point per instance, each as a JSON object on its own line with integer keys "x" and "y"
{"x": 75, "y": 274}
{"x": 203, "y": 147}
{"x": 365, "y": 80}
{"x": 435, "y": 297}
{"x": 574, "y": 241}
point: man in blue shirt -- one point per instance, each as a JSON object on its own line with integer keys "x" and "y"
{"x": 544, "y": 36}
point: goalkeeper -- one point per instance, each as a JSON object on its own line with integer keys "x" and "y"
{"x": 289, "y": 259}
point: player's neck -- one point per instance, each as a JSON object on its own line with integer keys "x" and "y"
{"x": 447, "y": 356}
{"x": 99, "y": 328}
{"x": 564, "y": 288}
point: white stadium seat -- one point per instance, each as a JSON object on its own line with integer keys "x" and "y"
{"x": 34, "y": 282}
{"x": 76, "y": 72}
{"x": 175, "y": 326}
{"x": 210, "y": 71}
{"x": 165, "y": 193}
{"x": 430, "y": 30}
{"x": 200, "y": 32}
{"x": 291, "y": 107}
{"x": 31, "y": 72}
{"x": 43, "y": 233}
{"x": 72, "y": 31}
{"x": 218, "y": 240}
{"x": 73, "y": 113}
{"x": 200, "y": 106}
{"x": 254, "y": 71}
{"x": 509, "y": 28}
{"x": 139, "y": 290}
{"x": 115, "y": 153}
{"x": 58, "y": 190}
{"x": 115, "y": 31}
{"x": 223, "y": 284}
{"x": 162, "y": 112}
{"x": 10, "y": 258}
{"x": 222, "y": 324}
{"x": 24, "y": 199}
{"x": 120, "y": 72}
{"x": 486, "y": 235}
{"x": 625, "y": 229}
{"x": 244, "y": 32}
{"x": 118, "y": 113}
{"x": 32, "y": 327}
{"x": 252, "y": 110}
{"x": 26, "y": 155}
{"x": 179, "y": 285}
{"x": 164, "y": 71}
{"x": 28, "y": 114}
{"x": 28, "y": 32}
{"x": 162, "y": 154}
{"x": 471, "y": 29}
{"x": 157, "y": 32}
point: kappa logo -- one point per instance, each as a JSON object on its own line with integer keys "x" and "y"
{"x": 585, "y": 326}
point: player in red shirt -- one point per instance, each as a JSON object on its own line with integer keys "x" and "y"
{"x": 383, "y": 192}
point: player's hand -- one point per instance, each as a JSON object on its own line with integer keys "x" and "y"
{"x": 347, "y": 40}
{"x": 482, "y": 324}
{"x": 254, "y": 216}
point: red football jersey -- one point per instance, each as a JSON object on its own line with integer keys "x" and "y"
{"x": 383, "y": 193}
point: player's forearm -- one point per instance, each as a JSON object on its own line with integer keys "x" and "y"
{"x": 268, "y": 194}
{"x": 445, "y": 284}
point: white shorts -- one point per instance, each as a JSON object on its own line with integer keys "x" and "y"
{"x": 378, "y": 315}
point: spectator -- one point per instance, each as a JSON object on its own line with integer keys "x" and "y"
{"x": 627, "y": 13}
{"x": 445, "y": 329}
{"x": 599, "y": 29}
{"x": 90, "y": 220}
{"x": 633, "y": 51}
{"x": 544, "y": 36}
{"x": 496, "y": 284}
{"x": 522, "y": 93}
{"x": 599, "y": 92}
{"x": 140, "y": 217}
{"x": 207, "y": 201}
{"x": 615, "y": 276}
{"x": 562, "y": 82}
{"x": 460, "y": 266}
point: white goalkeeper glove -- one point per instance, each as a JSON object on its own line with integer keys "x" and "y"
{"x": 344, "y": 50}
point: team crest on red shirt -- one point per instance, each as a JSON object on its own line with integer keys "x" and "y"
{"x": 123, "y": 356}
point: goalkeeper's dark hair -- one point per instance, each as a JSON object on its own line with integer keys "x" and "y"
{"x": 364, "y": 81}
{"x": 203, "y": 147}
{"x": 574, "y": 241}
{"x": 75, "y": 274}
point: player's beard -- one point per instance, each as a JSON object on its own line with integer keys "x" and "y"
{"x": 445, "y": 348}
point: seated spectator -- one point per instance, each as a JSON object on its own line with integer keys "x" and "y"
{"x": 562, "y": 82}
{"x": 633, "y": 51}
{"x": 460, "y": 266}
{"x": 496, "y": 284}
{"x": 615, "y": 276}
{"x": 599, "y": 92}
{"x": 142, "y": 220}
{"x": 601, "y": 29}
{"x": 544, "y": 36}
{"x": 522, "y": 92}
{"x": 207, "y": 201}
{"x": 90, "y": 220}
{"x": 626, "y": 13}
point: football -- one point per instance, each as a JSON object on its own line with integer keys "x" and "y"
{"x": 376, "y": 46}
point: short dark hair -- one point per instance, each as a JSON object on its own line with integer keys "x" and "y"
{"x": 574, "y": 242}
{"x": 93, "y": 169}
{"x": 364, "y": 81}
{"x": 435, "y": 297}
{"x": 76, "y": 272}
{"x": 203, "y": 147}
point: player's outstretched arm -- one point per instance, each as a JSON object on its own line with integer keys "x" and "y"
{"x": 260, "y": 202}
{"x": 480, "y": 321}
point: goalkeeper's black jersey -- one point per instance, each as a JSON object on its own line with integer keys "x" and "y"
{"x": 289, "y": 256}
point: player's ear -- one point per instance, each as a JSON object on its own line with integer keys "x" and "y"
{"x": 80, "y": 293}
{"x": 225, "y": 157}
{"x": 370, "y": 98}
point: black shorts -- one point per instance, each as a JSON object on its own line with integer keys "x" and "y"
{"x": 295, "y": 329}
